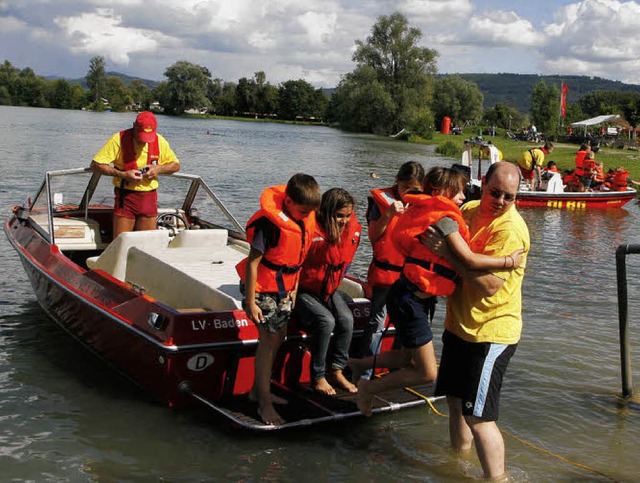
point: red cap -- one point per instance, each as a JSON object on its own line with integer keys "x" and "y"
{"x": 145, "y": 127}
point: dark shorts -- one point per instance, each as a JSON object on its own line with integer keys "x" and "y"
{"x": 473, "y": 372}
{"x": 130, "y": 204}
{"x": 409, "y": 315}
{"x": 276, "y": 312}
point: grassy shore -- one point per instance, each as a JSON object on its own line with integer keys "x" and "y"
{"x": 563, "y": 154}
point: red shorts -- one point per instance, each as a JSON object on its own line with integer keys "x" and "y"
{"x": 526, "y": 173}
{"x": 130, "y": 204}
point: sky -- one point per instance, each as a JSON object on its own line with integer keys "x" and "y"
{"x": 314, "y": 40}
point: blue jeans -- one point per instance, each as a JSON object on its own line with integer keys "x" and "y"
{"x": 372, "y": 339}
{"x": 321, "y": 320}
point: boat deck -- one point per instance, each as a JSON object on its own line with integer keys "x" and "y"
{"x": 306, "y": 407}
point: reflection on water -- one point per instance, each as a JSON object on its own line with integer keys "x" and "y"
{"x": 67, "y": 416}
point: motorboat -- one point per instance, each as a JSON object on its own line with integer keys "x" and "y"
{"x": 574, "y": 200}
{"x": 163, "y": 306}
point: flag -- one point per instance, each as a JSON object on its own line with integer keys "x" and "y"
{"x": 563, "y": 100}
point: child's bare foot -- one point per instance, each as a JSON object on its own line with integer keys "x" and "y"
{"x": 323, "y": 387}
{"x": 274, "y": 399}
{"x": 269, "y": 415}
{"x": 343, "y": 382}
{"x": 364, "y": 400}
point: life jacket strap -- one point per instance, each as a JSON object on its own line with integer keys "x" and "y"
{"x": 387, "y": 266}
{"x": 280, "y": 270}
{"x": 436, "y": 268}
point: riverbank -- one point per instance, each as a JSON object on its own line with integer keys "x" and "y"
{"x": 563, "y": 153}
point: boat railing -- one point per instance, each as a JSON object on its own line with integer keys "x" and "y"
{"x": 623, "y": 316}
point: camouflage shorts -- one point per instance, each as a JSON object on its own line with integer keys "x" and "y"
{"x": 275, "y": 313}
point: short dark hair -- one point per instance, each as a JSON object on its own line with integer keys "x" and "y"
{"x": 303, "y": 190}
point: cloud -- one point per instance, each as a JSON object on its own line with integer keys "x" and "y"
{"x": 102, "y": 33}
{"x": 595, "y": 37}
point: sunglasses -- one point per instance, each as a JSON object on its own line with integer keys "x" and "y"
{"x": 497, "y": 194}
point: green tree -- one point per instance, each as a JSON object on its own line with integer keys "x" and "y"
{"x": 140, "y": 93}
{"x": 402, "y": 70}
{"x": 118, "y": 94}
{"x": 246, "y": 96}
{"x": 8, "y": 82}
{"x": 97, "y": 81}
{"x": 459, "y": 99}
{"x": 503, "y": 116}
{"x": 545, "y": 108}
{"x": 361, "y": 103}
{"x": 30, "y": 89}
{"x": 61, "y": 94}
{"x": 187, "y": 87}
{"x": 298, "y": 98}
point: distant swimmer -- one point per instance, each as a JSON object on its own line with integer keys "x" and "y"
{"x": 373, "y": 175}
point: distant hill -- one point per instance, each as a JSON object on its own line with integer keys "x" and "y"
{"x": 125, "y": 78}
{"x": 515, "y": 90}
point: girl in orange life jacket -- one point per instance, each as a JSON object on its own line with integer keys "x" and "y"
{"x": 320, "y": 307}
{"x": 385, "y": 208}
{"x": 425, "y": 275}
{"x": 279, "y": 234}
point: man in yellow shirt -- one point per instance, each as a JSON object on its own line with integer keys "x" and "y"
{"x": 484, "y": 319}
{"x": 531, "y": 163}
{"x": 135, "y": 157}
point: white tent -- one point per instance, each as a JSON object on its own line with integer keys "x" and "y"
{"x": 594, "y": 121}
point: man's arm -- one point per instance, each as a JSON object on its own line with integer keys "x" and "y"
{"x": 131, "y": 176}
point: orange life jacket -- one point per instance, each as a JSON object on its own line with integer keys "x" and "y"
{"x": 599, "y": 173}
{"x": 620, "y": 180}
{"x": 128, "y": 150}
{"x": 325, "y": 265}
{"x": 430, "y": 273}
{"x": 279, "y": 268}
{"x": 387, "y": 262}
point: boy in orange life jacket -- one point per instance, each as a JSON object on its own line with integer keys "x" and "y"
{"x": 320, "y": 307}
{"x": 424, "y": 276}
{"x": 385, "y": 208}
{"x": 138, "y": 156}
{"x": 280, "y": 235}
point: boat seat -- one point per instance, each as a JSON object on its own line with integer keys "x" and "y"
{"x": 186, "y": 278}
{"x": 113, "y": 259}
{"x": 210, "y": 239}
{"x": 72, "y": 233}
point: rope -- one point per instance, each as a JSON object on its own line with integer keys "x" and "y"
{"x": 520, "y": 440}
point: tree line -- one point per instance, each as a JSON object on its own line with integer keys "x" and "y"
{"x": 394, "y": 86}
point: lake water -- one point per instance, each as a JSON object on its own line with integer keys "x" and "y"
{"x": 65, "y": 416}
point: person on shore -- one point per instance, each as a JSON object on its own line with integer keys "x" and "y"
{"x": 531, "y": 163}
{"x": 385, "y": 208}
{"x": 483, "y": 322}
{"x": 321, "y": 308}
{"x": 135, "y": 157}
{"x": 425, "y": 276}
{"x": 280, "y": 235}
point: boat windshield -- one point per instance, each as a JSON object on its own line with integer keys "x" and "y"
{"x": 78, "y": 191}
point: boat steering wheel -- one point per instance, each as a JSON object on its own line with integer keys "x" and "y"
{"x": 171, "y": 222}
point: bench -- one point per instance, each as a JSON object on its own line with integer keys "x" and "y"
{"x": 188, "y": 278}
{"x": 72, "y": 233}
{"x": 113, "y": 259}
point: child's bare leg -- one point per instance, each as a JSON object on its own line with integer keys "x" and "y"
{"x": 424, "y": 369}
{"x": 268, "y": 346}
{"x": 393, "y": 359}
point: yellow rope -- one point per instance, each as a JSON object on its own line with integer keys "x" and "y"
{"x": 526, "y": 443}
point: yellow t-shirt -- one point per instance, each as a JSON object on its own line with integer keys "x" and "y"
{"x": 497, "y": 318}
{"x": 531, "y": 158}
{"x": 111, "y": 153}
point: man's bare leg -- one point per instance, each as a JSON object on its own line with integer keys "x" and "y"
{"x": 489, "y": 446}
{"x": 145, "y": 223}
{"x": 122, "y": 224}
